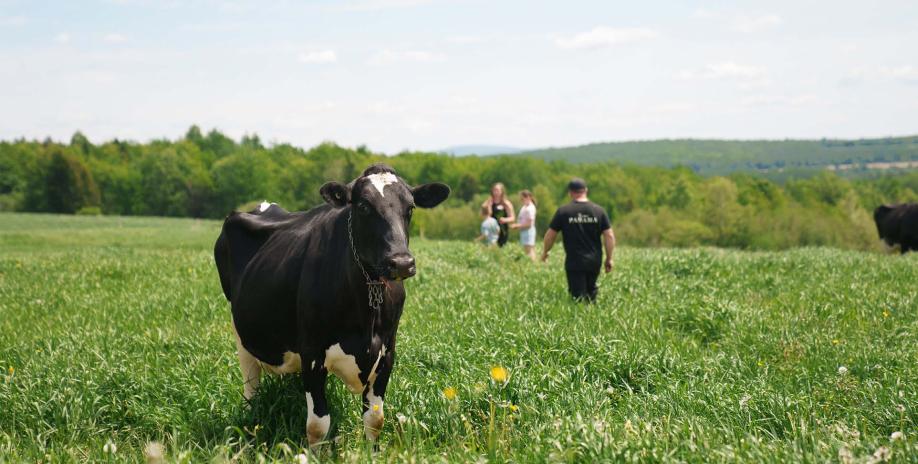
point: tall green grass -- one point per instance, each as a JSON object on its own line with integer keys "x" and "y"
{"x": 115, "y": 330}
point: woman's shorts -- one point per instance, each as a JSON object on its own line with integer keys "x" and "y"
{"x": 528, "y": 236}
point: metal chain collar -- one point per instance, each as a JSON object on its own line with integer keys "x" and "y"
{"x": 375, "y": 288}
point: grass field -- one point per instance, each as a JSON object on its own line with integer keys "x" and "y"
{"x": 115, "y": 330}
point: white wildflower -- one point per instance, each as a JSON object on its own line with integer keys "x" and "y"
{"x": 402, "y": 419}
{"x": 109, "y": 448}
{"x": 744, "y": 400}
{"x": 897, "y": 435}
{"x": 301, "y": 458}
{"x": 599, "y": 425}
{"x": 900, "y": 407}
{"x": 154, "y": 453}
{"x": 882, "y": 454}
{"x": 842, "y": 370}
{"x": 845, "y": 456}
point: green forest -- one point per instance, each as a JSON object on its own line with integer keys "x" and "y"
{"x": 725, "y": 156}
{"x": 209, "y": 175}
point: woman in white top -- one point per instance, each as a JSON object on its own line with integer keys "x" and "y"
{"x": 526, "y": 223}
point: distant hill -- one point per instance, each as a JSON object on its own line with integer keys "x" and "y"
{"x": 724, "y": 156}
{"x": 480, "y": 150}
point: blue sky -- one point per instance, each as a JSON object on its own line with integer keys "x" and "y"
{"x": 427, "y": 74}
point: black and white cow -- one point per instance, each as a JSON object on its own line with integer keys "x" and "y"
{"x": 321, "y": 291}
{"x": 898, "y": 225}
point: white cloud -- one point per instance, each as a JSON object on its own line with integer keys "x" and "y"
{"x": 777, "y": 100}
{"x": 725, "y": 70}
{"x": 465, "y": 39}
{"x": 749, "y": 24}
{"x": 418, "y": 56}
{"x": 904, "y": 73}
{"x": 375, "y": 5}
{"x": 603, "y": 37}
{"x": 114, "y": 37}
{"x": 321, "y": 56}
{"x": 62, "y": 38}
{"x": 703, "y": 13}
{"x": 899, "y": 73}
{"x": 17, "y": 20}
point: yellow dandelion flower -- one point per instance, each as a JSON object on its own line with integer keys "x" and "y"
{"x": 885, "y": 313}
{"x": 499, "y": 374}
{"x": 835, "y": 342}
{"x": 514, "y": 407}
{"x": 449, "y": 393}
{"x": 11, "y": 370}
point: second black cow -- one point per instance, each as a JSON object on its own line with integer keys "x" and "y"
{"x": 898, "y": 225}
{"x": 321, "y": 291}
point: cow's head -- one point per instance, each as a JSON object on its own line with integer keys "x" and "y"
{"x": 879, "y": 214}
{"x": 381, "y": 204}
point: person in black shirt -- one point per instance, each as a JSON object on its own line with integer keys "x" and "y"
{"x": 583, "y": 226}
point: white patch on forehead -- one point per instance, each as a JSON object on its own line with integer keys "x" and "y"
{"x": 381, "y": 180}
{"x": 344, "y": 366}
{"x": 264, "y": 206}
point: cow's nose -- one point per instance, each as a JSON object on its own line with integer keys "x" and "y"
{"x": 401, "y": 266}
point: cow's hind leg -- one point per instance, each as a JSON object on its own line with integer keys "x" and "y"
{"x": 251, "y": 370}
{"x": 318, "y": 420}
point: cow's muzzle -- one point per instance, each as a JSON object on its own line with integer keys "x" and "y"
{"x": 401, "y": 266}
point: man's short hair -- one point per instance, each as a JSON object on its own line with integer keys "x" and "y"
{"x": 576, "y": 185}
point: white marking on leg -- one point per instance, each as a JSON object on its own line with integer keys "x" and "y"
{"x": 344, "y": 366}
{"x": 250, "y": 366}
{"x": 316, "y": 426}
{"x": 373, "y": 418}
{"x": 381, "y": 180}
{"x": 372, "y": 377}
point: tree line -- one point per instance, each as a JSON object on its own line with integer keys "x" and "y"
{"x": 208, "y": 175}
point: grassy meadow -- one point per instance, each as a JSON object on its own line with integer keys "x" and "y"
{"x": 114, "y": 331}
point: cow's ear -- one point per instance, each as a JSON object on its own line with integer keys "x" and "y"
{"x": 430, "y": 195}
{"x": 335, "y": 194}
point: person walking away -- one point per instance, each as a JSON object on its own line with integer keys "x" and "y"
{"x": 526, "y": 223}
{"x": 490, "y": 230}
{"x": 585, "y": 228}
{"x": 500, "y": 208}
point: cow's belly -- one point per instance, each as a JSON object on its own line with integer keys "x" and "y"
{"x": 345, "y": 367}
{"x": 292, "y": 363}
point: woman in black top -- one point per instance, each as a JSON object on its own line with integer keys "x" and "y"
{"x": 500, "y": 208}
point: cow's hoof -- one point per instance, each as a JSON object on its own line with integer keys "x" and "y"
{"x": 317, "y": 429}
{"x": 372, "y": 424}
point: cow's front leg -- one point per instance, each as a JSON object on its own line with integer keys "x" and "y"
{"x": 374, "y": 394}
{"x": 318, "y": 420}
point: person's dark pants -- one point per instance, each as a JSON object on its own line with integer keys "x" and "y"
{"x": 582, "y": 284}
